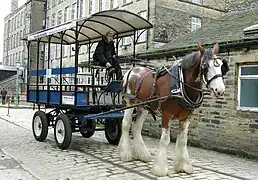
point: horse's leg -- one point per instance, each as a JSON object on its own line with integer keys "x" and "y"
{"x": 124, "y": 147}
{"x": 182, "y": 162}
{"x": 160, "y": 167}
{"x": 139, "y": 148}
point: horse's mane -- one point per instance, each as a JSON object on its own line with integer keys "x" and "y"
{"x": 190, "y": 60}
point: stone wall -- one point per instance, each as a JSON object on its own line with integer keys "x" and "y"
{"x": 217, "y": 124}
{"x": 174, "y": 17}
{"x": 233, "y": 5}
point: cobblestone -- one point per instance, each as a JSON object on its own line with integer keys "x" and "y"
{"x": 94, "y": 158}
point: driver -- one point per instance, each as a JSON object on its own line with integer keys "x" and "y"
{"x": 105, "y": 55}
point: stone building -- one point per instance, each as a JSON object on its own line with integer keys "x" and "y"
{"x": 17, "y": 25}
{"x": 171, "y": 18}
{"x": 228, "y": 124}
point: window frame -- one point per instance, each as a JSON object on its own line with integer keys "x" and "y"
{"x": 243, "y": 77}
{"x": 194, "y": 1}
{"x": 194, "y": 23}
{"x": 144, "y": 32}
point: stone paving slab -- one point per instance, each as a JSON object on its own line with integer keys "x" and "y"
{"x": 94, "y": 158}
{"x": 10, "y": 169}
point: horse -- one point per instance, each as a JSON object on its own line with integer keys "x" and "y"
{"x": 140, "y": 84}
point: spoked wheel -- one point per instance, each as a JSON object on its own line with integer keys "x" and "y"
{"x": 113, "y": 130}
{"x": 40, "y": 126}
{"x": 89, "y": 129}
{"x": 63, "y": 131}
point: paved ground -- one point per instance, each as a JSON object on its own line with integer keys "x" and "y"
{"x": 22, "y": 157}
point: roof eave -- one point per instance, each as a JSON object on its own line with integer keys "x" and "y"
{"x": 224, "y": 47}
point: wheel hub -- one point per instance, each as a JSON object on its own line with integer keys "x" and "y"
{"x": 112, "y": 131}
{"x": 37, "y": 125}
{"x": 60, "y": 132}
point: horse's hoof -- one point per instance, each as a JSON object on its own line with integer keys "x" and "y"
{"x": 159, "y": 171}
{"x": 126, "y": 156}
{"x": 145, "y": 157}
{"x": 187, "y": 168}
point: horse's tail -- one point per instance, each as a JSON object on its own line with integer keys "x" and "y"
{"x": 125, "y": 81}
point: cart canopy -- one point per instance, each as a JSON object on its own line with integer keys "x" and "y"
{"x": 91, "y": 29}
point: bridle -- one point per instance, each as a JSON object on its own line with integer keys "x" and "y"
{"x": 205, "y": 67}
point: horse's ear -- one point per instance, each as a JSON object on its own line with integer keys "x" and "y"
{"x": 216, "y": 48}
{"x": 201, "y": 49}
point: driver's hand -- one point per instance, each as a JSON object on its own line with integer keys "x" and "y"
{"x": 108, "y": 65}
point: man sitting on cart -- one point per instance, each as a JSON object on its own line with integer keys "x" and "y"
{"x": 105, "y": 55}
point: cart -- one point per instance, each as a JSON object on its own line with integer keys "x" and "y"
{"x": 79, "y": 101}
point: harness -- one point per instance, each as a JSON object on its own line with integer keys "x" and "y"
{"x": 183, "y": 100}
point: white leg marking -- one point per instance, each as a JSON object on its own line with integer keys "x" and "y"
{"x": 182, "y": 162}
{"x": 124, "y": 147}
{"x": 139, "y": 148}
{"x": 160, "y": 167}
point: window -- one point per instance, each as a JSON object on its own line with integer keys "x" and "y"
{"x": 21, "y": 33}
{"x": 47, "y": 22}
{"x": 113, "y": 4}
{"x": 142, "y": 35}
{"x": 53, "y": 3}
{"x": 15, "y": 22}
{"x": 48, "y": 2}
{"x": 14, "y": 41}
{"x": 195, "y": 23}
{"x": 46, "y": 52}
{"x": 91, "y": 6}
{"x": 58, "y": 50}
{"x": 53, "y": 19}
{"x": 127, "y": 40}
{"x": 22, "y": 18}
{"x": 73, "y": 11}
{"x": 18, "y": 20}
{"x": 16, "y": 58}
{"x": 197, "y": 1}
{"x": 17, "y": 39}
{"x": 127, "y": 1}
{"x": 100, "y": 5}
{"x": 66, "y": 14}
{"x": 59, "y": 21}
{"x": 248, "y": 87}
{"x": 81, "y": 8}
{"x": 20, "y": 57}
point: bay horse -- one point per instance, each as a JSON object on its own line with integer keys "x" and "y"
{"x": 141, "y": 84}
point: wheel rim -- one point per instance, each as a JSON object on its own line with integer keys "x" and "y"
{"x": 60, "y": 131}
{"x": 37, "y": 126}
{"x": 112, "y": 131}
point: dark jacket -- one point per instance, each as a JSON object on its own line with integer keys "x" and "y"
{"x": 104, "y": 52}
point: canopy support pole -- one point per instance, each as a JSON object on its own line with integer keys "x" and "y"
{"x": 134, "y": 44}
{"x": 61, "y": 69}
{"x": 37, "y": 67}
{"x": 28, "y": 68}
{"x": 48, "y": 66}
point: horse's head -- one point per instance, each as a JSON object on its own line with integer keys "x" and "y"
{"x": 213, "y": 69}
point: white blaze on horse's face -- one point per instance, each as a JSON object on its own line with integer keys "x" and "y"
{"x": 217, "y": 85}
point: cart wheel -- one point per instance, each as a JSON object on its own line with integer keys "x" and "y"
{"x": 89, "y": 129}
{"x": 63, "y": 131}
{"x": 113, "y": 130}
{"x": 40, "y": 126}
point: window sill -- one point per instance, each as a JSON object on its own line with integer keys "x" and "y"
{"x": 141, "y": 42}
{"x": 115, "y": 8}
{"x": 246, "y": 109}
{"x": 127, "y": 3}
